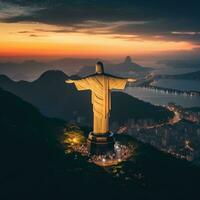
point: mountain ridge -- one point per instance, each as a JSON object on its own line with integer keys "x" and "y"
{"x": 32, "y": 69}
{"x": 57, "y": 99}
{"x": 125, "y": 68}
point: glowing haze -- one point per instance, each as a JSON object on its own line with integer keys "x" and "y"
{"x": 94, "y": 28}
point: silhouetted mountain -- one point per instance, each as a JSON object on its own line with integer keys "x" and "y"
{"x": 73, "y": 65}
{"x": 34, "y": 166}
{"x": 52, "y": 75}
{"x": 125, "y": 68}
{"x": 57, "y": 99}
{"x": 31, "y": 69}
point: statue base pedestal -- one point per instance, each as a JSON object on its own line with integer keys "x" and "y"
{"x": 100, "y": 143}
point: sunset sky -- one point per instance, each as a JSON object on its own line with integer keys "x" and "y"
{"x": 97, "y": 27}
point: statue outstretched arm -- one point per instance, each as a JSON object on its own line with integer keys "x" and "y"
{"x": 81, "y": 84}
{"x": 69, "y": 81}
{"x": 131, "y": 80}
{"x": 119, "y": 83}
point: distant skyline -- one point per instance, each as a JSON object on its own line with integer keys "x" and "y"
{"x": 98, "y": 28}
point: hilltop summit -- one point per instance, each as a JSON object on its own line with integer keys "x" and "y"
{"x": 128, "y": 60}
{"x": 53, "y": 75}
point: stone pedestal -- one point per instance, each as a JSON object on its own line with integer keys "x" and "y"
{"x": 100, "y": 143}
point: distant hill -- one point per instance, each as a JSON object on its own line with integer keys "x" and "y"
{"x": 73, "y": 65}
{"x": 32, "y": 69}
{"x": 187, "y": 76}
{"x": 55, "y": 98}
{"x": 26, "y": 70}
{"x": 125, "y": 68}
{"x": 34, "y": 166}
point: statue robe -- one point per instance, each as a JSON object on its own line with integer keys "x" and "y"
{"x": 101, "y": 86}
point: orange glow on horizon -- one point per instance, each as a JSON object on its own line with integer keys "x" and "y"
{"x": 24, "y": 40}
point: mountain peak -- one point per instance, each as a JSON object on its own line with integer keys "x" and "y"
{"x": 128, "y": 60}
{"x": 53, "y": 75}
{"x": 4, "y": 78}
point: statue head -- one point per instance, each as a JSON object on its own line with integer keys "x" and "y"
{"x": 99, "y": 68}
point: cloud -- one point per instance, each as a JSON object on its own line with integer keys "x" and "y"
{"x": 9, "y": 10}
{"x": 127, "y": 19}
{"x": 23, "y": 32}
{"x": 34, "y": 35}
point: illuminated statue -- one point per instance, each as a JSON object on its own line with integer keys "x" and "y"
{"x": 101, "y": 85}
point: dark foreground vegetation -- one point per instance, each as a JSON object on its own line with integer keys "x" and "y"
{"x": 34, "y": 166}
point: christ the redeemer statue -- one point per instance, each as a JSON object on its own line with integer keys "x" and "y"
{"x": 100, "y": 85}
